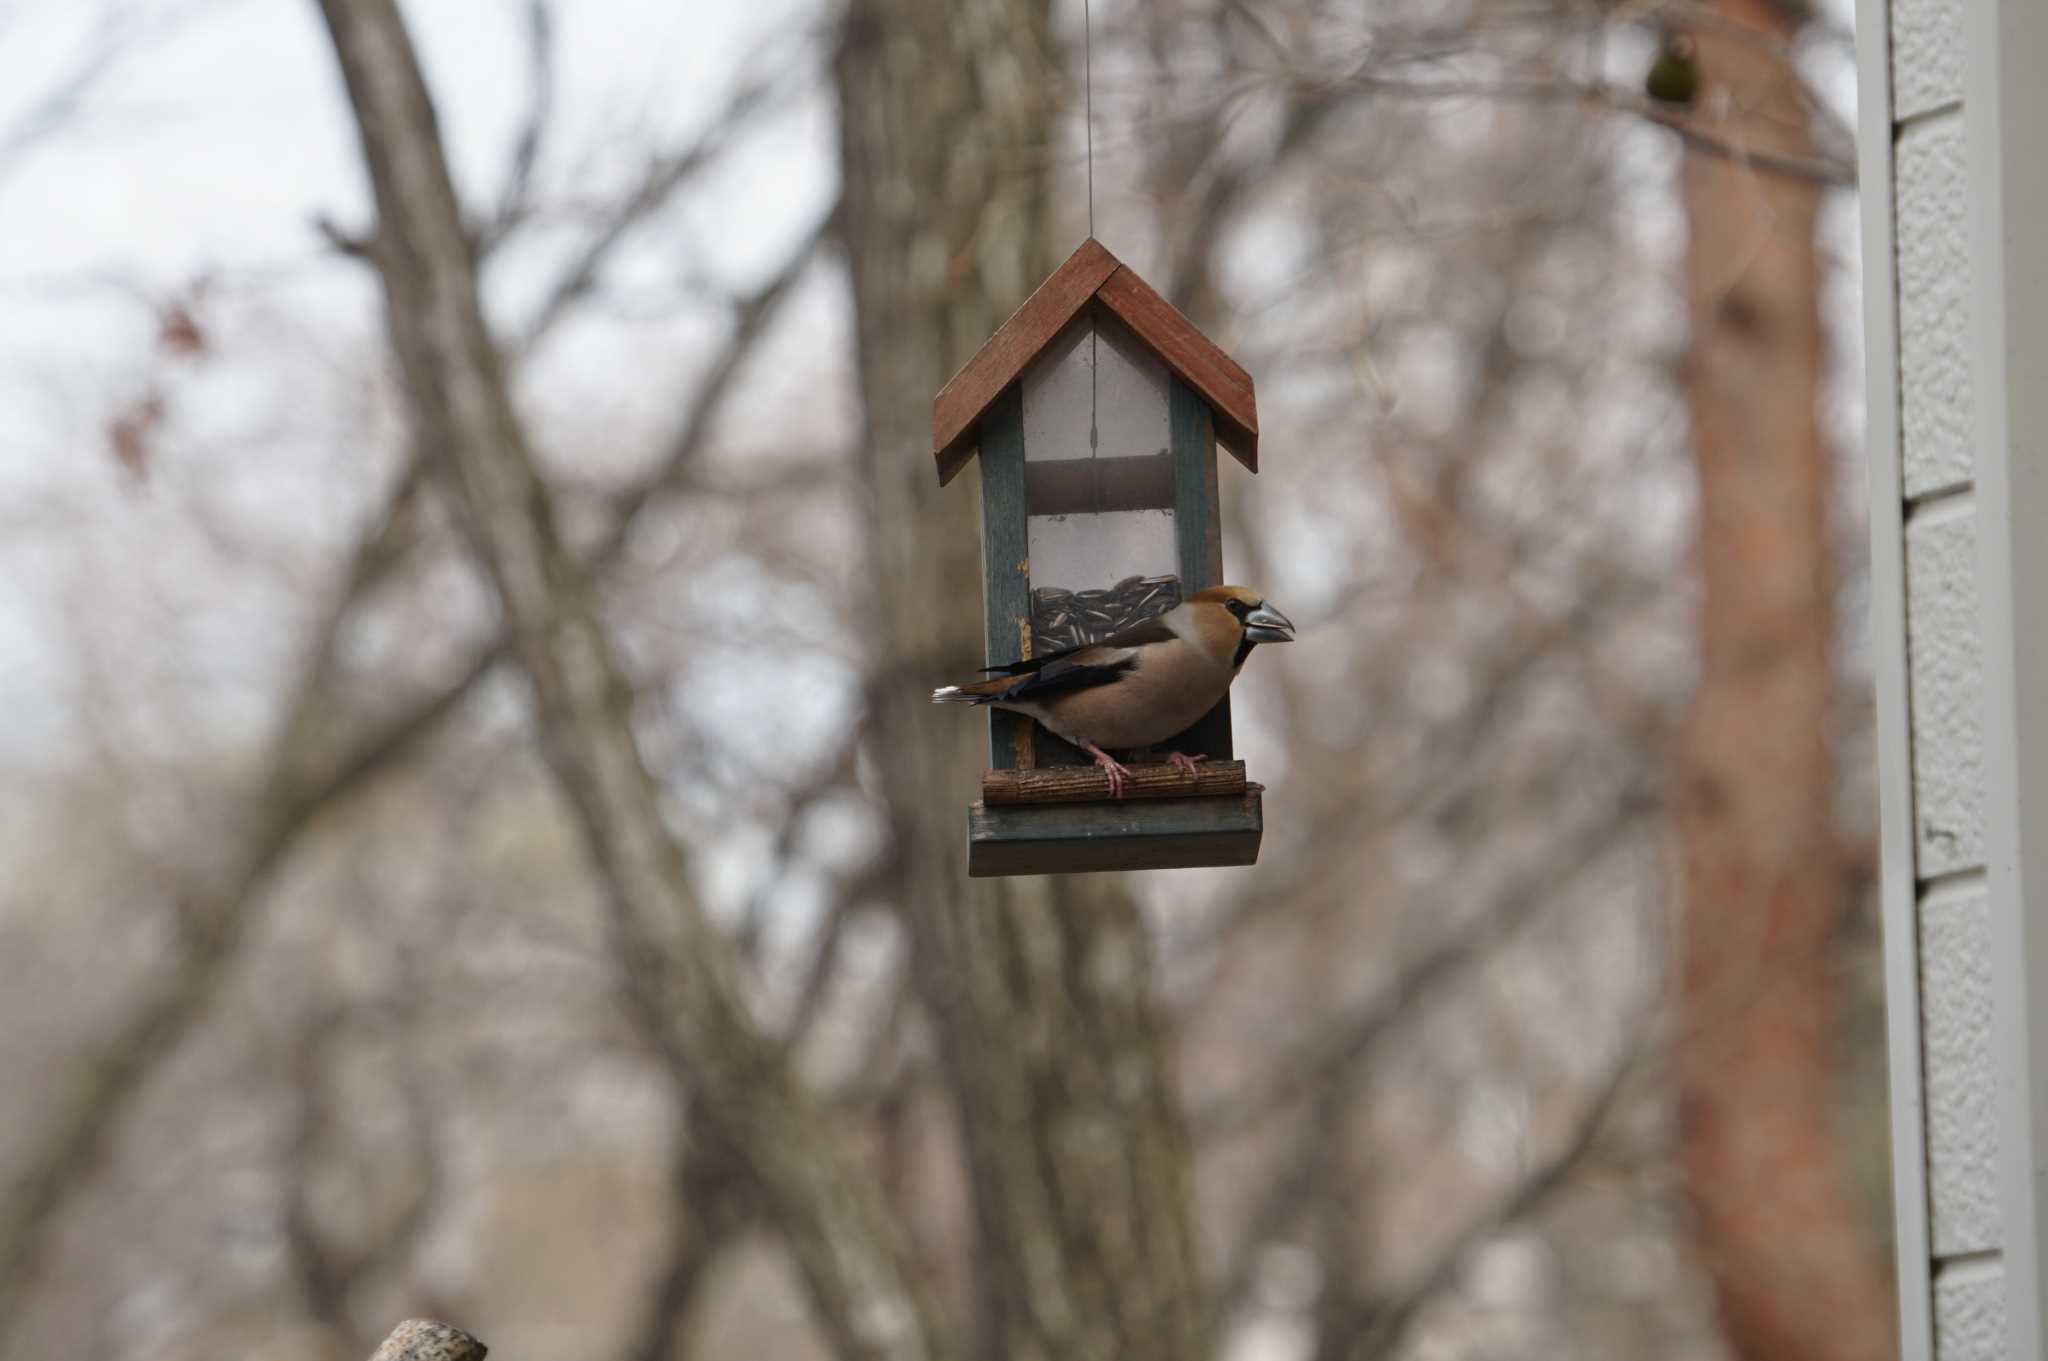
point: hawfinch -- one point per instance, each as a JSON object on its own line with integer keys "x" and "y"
{"x": 1140, "y": 686}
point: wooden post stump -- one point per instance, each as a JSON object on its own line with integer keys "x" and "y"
{"x": 419, "y": 1339}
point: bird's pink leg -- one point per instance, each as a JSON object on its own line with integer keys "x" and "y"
{"x": 1117, "y": 772}
{"x": 1185, "y": 763}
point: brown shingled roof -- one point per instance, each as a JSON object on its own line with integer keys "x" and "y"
{"x": 1092, "y": 274}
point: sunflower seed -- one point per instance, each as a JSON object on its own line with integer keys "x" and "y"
{"x": 1062, "y": 618}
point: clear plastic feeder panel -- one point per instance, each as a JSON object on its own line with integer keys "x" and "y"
{"x": 1101, "y": 533}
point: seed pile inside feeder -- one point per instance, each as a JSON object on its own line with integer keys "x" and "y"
{"x": 1062, "y": 619}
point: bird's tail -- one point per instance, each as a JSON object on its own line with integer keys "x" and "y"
{"x": 975, "y": 692}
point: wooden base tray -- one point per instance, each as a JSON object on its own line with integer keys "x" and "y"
{"x": 1061, "y": 820}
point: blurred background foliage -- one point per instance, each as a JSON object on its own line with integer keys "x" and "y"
{"x": 339, "y": 984}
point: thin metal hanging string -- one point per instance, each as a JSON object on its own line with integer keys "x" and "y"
{"x": 1088, "y": 102}
{"x": 1088, "y": 125}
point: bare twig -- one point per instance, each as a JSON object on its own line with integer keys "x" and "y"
{"x": 1332, "y": 1066}
{"x": 711, "y": 1211}
{"x": 663, "y": 177}
{"x": 824, "y": 963}
{"x": 111, "y": 39}
{"x": 751, "y": 315}
{"x": 327, "y": 1278}
{"x": 323, "y": 1281}
{"x": 540, "y": 85}
{"x": 1814, "y": 168}
{"x": 1441, "y": 786}
{"x": 1381, "y": 1325}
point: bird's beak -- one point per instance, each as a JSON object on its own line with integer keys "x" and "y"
{"x": 1267, "y": 625}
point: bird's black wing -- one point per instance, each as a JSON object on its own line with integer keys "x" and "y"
{"x": 1153, "y": 630}
{"x": 1076, "y": 669}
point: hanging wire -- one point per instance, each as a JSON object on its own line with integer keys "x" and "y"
{"x": 1088, "y": 124}
{"x": 1088, "y": 102}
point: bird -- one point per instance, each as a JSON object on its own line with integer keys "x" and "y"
{"x": 1674, "y": 77}
{"x": 1140, "y": 685}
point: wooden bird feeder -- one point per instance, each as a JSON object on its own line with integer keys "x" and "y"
{"x": 1086, "y": 531}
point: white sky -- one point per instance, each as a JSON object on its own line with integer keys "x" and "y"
{"x": 211, "y": 147}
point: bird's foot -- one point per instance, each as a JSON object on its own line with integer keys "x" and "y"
{"x": 1185, "y": 763}
{"x": 1116, "y": 770}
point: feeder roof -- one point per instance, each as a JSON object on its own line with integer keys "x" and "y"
{"x": 1092, "y": 275}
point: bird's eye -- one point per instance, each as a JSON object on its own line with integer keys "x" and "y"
{"x": 1237, "y": 607}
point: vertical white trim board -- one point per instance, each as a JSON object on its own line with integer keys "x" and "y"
{"x": 1899, "y": 889}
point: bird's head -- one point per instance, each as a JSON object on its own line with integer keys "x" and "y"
{"x": 1260, "y": 622}
{"x": 1232, "y": 619}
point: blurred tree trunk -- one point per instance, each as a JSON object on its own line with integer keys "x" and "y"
{"x": 1039, "y": 990}
{"x": 1766, "y": 876}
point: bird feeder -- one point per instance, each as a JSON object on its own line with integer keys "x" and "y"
{"x": 1096, "y": 411}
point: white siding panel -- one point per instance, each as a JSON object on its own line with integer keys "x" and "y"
{"x": 1934, "y": 275}
{"x": 1962, "y": 1097}
{"x": 1945, "y": 679}
{"x": 1927, "y": 55}
{"x": 1969, "y": 1314}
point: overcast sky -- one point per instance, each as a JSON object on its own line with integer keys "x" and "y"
{"x": 208, "y": 146}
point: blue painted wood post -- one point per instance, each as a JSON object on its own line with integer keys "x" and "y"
{"x": 1006, "y": 565}
{"x": 1198, "y": 525}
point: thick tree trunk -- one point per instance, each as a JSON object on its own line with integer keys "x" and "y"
{"x": 1765, "y": 876}
{"x": 1039, "y": 990}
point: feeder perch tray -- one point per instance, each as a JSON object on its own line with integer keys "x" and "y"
{"x": 1063, "y": 818}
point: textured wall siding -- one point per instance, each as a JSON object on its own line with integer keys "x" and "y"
{"x": 1933, "y": 277}
{"x": 1927, "y": 55}
{"x": 1946, "y": 688}
{"x": 1955, "y": 991}
{"x": 1930, "y": 207}
{"x": 1969, "y": 1313}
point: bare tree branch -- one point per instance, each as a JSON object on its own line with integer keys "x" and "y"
{"x": 328, "y": 1278}
{"x": 111, "y": 39}
{"x": 322, "y": 1280}
{"x": 540, "y": 85}
{"x": 1347, "y": 1043}
{"x": 1378, "y": 1327}
{"x": 663, "y": 177}
{"x": 751, "y": 315}
{"x": 374, "y": 749}
{"x": 1333, "y": 1065}
{"x": 846, "y": 1249}
{"x": 1692, "y": 128}
{"x": 102, "y": 1086}
{"x": 306, "y": 778}
{"x": 710, "y": 1214}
